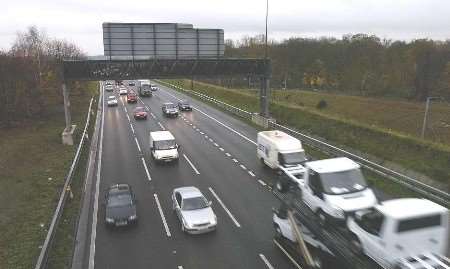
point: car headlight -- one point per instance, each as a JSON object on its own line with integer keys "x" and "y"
{"x": 109, "y": 220}
{"x": 132, "y": 217}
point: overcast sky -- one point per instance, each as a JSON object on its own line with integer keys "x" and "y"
{"x": 80, "y": 21}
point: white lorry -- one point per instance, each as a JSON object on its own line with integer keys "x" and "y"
{"x": 403, "y": 233}
{"x": 279, "y": 150}
{"x": 332, "y": 188}
{"x": 163, "y": 146}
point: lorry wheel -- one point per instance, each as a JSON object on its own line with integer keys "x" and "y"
{"x": 282, "y": 185}
{"x": 278, "y": 233}
{"x": 356, "y": 244}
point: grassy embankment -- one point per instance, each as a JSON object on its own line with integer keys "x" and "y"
{"x": 33, "y": 167}
{"x": 333, "y": 124}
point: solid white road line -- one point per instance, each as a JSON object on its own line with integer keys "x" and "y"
{"x": 137, "y": 144}
{"x": 228, "y": 154}
{"x": 97, "y": 190}
{"x": 146, "y": 169}
{"x": 262, "y": 182}
{"x": 153, "y": 115}
{"x": 287, "y": 254}
{"x": 236, "y": 161}
{"x": 125, "y": 108}
{"x": 266, "y": 261}
{"x": 225, "y": 208}
{"x": 128, "y": 117}
{"x": 220, "y": 123}
{"x": 166, "y": 227}
{"x": 251, "y": 173}
{"x": 160, "y": 125}
{"x": 243, "y": 167}
{"x": 192, "y": 165}
{"x": 147, "y": 108}
{"x": 132, "y": 128}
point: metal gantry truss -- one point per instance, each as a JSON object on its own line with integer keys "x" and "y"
{"x": 164, "y": 68}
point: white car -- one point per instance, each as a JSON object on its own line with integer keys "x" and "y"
{"x": 112, "y": 101}
{"x": 123, "y": 91}
{"x": 193, "y": 211}
{"x": 153, "y": 88}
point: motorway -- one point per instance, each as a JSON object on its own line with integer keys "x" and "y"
{"x": 218, "y": 155}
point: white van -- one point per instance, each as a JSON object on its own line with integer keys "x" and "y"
{"x": 163, "y": 146}
{"x": 403, "y": 233}
{"x": 335, "y": 188}
{"x": 278, "y": 149}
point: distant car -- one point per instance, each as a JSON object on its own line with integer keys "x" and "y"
{"x": 112, "y": 100}
{"x": 170, "y": 110}
{"x": 131, "y": 97}
{"x": 184, "y": 106}
{"x": 120, "y": 205}
{"x": 123, "y": 91}
{"x": 193, "y": 210}
{"x": 140, "y": 113}
{"x": 131, "y": 83}
{"x": 153, "y": 88}
{"x": 109, "y": 88}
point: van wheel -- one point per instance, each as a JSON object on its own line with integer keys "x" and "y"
{"x": 323, "y": 218}
{"x": 278, "y": 233}
{"x": 356, "y": 244}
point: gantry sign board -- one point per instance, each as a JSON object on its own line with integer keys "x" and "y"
{"x": 161, "y": 41}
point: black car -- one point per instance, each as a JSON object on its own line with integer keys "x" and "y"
{"x": 184, "y": 106}
{"x": 170, "y": 110}
{"x": 120, "y": 205}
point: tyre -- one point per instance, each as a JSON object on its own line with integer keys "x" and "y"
{"x": 323, "y": 218}
{"x": 282, "y": 185}
{"x": 278, "y": 233}
{"x": 357, "y": 246}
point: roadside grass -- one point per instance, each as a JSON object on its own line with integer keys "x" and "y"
{"x": 33, "y": 167}
{"x": 428, "y": 158}
{"x": 60, "y": 255}
{"x": 388, "y": 188}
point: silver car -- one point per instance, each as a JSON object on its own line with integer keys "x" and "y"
{"x": 193, "y": 210}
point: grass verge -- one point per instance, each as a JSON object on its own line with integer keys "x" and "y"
{"x": 424, "y": 157}
{"x": 33, "y": 167}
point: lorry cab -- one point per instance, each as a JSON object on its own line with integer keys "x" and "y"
{"x": 163, "y": 146}
{"x": 277, "y": 150}
{"x": 335, "y": 188}
{"x": 403, "y": 233}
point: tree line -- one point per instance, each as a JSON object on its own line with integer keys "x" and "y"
{"x": 356, "y": 64}
{"x": 30, "y": 75}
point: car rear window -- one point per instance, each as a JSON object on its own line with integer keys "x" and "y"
{"x": 419, "y": 223}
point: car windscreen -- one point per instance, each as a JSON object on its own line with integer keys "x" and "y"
{"x": 112, "y": 97}
{"x": 411, "y": 224}
{"x": 139, "y": 109}
{"x": 165, "y": 144}
{"x": 184, "y": 103}
{"x": 119, "y": 200}
{"x": 343, "y": 182}
{"x": 194, "y": 203}
{"x": 293, "y": 158}
{"x": 170, "y": 106}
